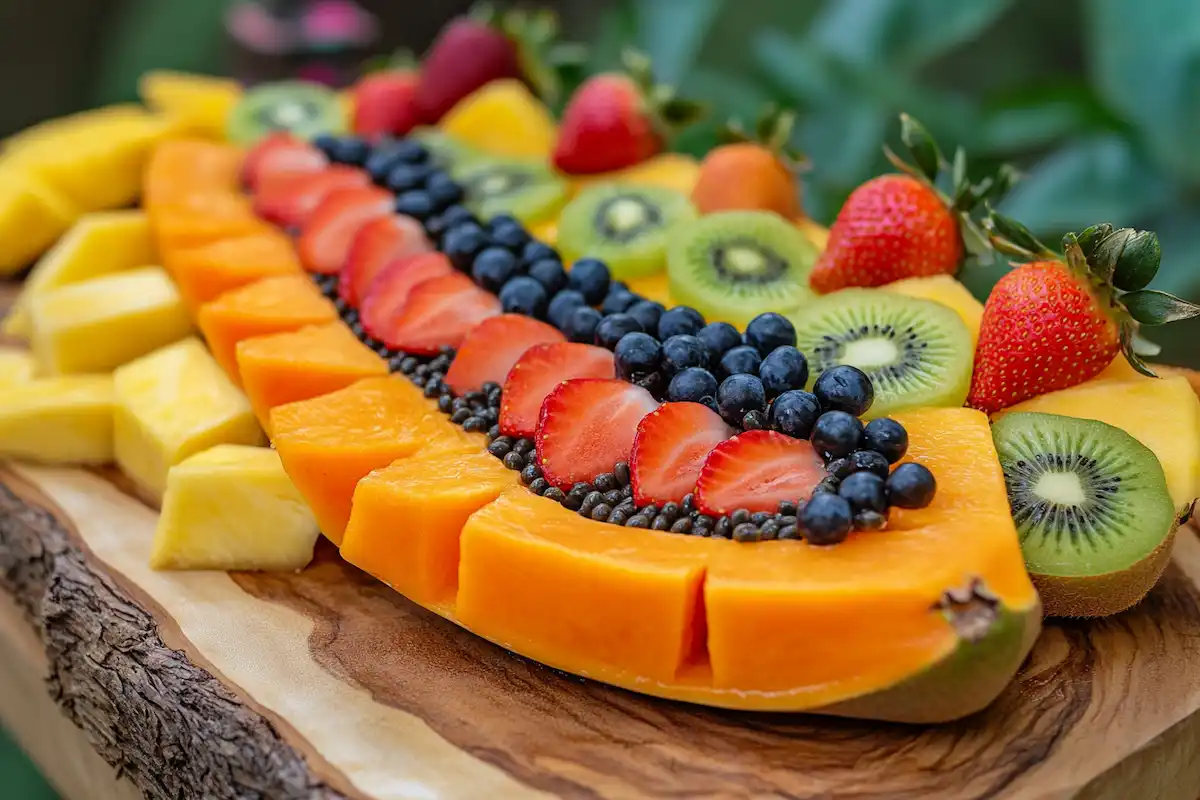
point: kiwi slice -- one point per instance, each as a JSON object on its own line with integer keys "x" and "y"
{"x": 302, "y": 108}
{"x": 732, "y": 266}
{"x": 917, "y": 352}
{"x": 626, "y": 226}
{"x": 1092, "y": 510}
{"x": 445, "y": 151}
{"x": 528, "y": 190}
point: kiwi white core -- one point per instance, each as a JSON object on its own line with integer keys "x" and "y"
{"x": 744, "y": 260}
{"x": 1063, "y": 488}
{"x": 871, "y": 354}
{"x": 626, "y": 213}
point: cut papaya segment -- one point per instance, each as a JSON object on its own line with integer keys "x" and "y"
{"x": 184, "y": 168}
{"x": 203, "y": 218}
{"x": 206, "y": 272}
{"x": 271, "y": 305}
{"x": 296, "y": 365}
{"x": 406, "y": 520}
{"x": 329, "y": 443}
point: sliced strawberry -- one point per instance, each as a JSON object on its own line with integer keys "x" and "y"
{"x": 756, "y": 470}
{"x": 281, "y": 154}
{"x": 586, "y": 426}
{"x": 389, "y": 291}
{"x": 377, "y": 244}
{"x": 538, "y": 371}
{"x": 331, "y": 228}
{"x": 671, "y": 446}
{"x": 493, "y": 347}
{"x": 287, "y": 199}
{"x": 439, "y": 313}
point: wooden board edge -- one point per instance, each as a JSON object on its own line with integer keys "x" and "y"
{"x": 111, "y": 673}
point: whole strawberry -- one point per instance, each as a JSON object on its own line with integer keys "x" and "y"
{"x": 1058, "y": 321}
{"x": 902, "y": 226}
{"x": 615, "y": 120}
{"x": 385, "y": 102}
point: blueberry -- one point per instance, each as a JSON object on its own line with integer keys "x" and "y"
{"x": 493, "y": 268}
{"x": 325, "y": 142}
{"x": 463, "y": 242}
{"x": 886, "y": 437}
{"x": 536, "y": 251}
{"x": 382, "y": 161}
{"x": 618, "y": 300}
{"x": 416, "y": 204}
{"x": 719, "y": 337}
{"x": 581, "y": 324}
{"x": 443, "y": 190}
{"x": 844, "y": 388}
{"x": 523, "y": 295}
{"x": 406, "y": 177}
{"x": 349, "y": 150}
{"x": 647, "y": 313}
{"x": 636, "y": 354}
{"x": 613, "y": 328}
{"x": 836, "y": 434}
{"x": 457, "y": 215}
{"x": 911, "y": 486}
{"x": 511, "y": 235}
{"x": 739, "y": 394}
{"x": 864, "y": 491}
{"x": 679, "y": 321}
{"x": 868, "y": 461}
{"x": 411, "y": 151}
{"x": 683, "y": 351}
{"x": 826, "y": 519}
{"x": 435, "y": 227}
{"x": 794, "y": 413}
{"x": 785, "y": 368}
{"x": 692, "y": 385}
{"x": 502, "y": 221}
{"x": 741, "y": 360}
{"x": 591, "y": 277}
{"x": 770, "y": 330}
{"x": 561, "y": 306}
{"x": 549, "y": 272}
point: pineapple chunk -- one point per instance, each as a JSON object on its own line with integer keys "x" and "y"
{"x": 233, "y": 507}
{"x": 100, "y": 324}
{"x": 201, "y": 103}
{"x": 16, "y": 366}
{"x": 944, "y": 289}
{"x": 58, "y": 420}
{"x": 98, "y": 244}
{"x": 171, "y": 404}
{"x": 32, "y": 217}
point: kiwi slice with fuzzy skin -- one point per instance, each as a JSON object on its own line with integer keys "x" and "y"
{"x": 1092, "y": 510}
{"x": 626, "y": 226}
{"x": 732, "y": 266}
{"x": 298, "y": 107}
{"x": 916, "y": 352}
{"x": 528, "y": 190}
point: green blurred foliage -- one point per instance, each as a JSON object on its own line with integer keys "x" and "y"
{"x": 1097, "y": 101}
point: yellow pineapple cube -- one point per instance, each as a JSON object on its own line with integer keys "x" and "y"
{"x": 171, "y": 404}
{"x": 98, "y": 244}
{"x": 948, "y": 291}
{"x": 97, "y": 325}
{"x": 66, "y": 420}
{"x": 32, "y": 217}
{"x": 16, "y": 366}
{"x": 233, "y": 507}
{"x": 201, "y": 103}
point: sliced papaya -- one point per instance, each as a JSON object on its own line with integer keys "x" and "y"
{"x": 183, "y": 168}
{"x": 206, "y": 272}
{"x": 203, "y": 218}
{"x": 296, "y": 365}
{"x": 271, "y": 305}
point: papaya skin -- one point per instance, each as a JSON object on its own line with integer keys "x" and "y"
{"x": 746, "y": 176}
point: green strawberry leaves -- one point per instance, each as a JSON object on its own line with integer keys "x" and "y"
{"x": 921, "y": 147}
{"x": 670, "y": 112}
{"x": 773, "y": 130}
{"x": 1151, "y": 307}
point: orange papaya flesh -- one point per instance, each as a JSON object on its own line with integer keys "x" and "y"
{"x": 182, "y": 168}
{"x": 328, "y": 444}
{"x": 203, "y": 218}
{"x": 406, "y": 519}
{"x": 297, "y": 365}
{"x": 271, "y": 305}
{"x": 206, "y": 272}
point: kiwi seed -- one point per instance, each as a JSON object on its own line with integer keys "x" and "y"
{"x": 302, "y": 108}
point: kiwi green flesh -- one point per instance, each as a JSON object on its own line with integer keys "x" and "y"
{"x": 1088, "y": 499}
{"x": 445, "y": 151}
{"x": 528, "y": 191}
{"x": 732, "y": 266}
{"x": 628, "y": 227}
{"x": 303, "y": 109}
{"x": 916, "y": 352}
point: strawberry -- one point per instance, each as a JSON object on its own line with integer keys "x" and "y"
{"x": 468, "y": 53}
{"x": 439, "y": 312}
{"x": 281, "y": 153}
{"x": 901, "y": 226}
{"x": 377, "y": 244}
{"x": 330, "y": 229}
{"x": 385, "y": 103}
{"x": 756, "y": 470}
{"x": 615, "y": 120}
{"x": 388, "y": 293}
{"x": 671, "y": 446}
{"x": 586, "y": 426}
{"x": 1058, "y": 321}
{"x": 288, "y": 199}
{"x": 493, "y": 347}
{"x": 537, "y": 372}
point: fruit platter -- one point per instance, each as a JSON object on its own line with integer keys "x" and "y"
{"x": 415, "y": 441}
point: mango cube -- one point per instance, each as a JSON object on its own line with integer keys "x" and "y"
{"x": 171, "y": 404}
{"x": 100, "y": 324}
{"x": 32, "y": 217}
{"x": 16, "y": 366}
{"x": 233, "y": 507}
{"x": 66, "y": 420}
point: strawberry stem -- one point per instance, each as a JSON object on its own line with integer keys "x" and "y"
{"x": 773, "y": 130}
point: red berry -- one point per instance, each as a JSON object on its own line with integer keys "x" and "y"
{"x": 388, "y": 293}
{"x": 288, "y": 199}
{"x": 671, "y": 446}
{"x": 757, "y": 470}
{"x": 493, "y": 347}
{"x": 281, "y": 154}
{"x": 332, "y": 226}
{"x": 538, "y": 372}
{"x": 377, "y": 244}
{"x": 439, "y": 312}
{"x": 384, "y": 103}
{"x": 606, "y": 126}
{"x": 466, "y": 55}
